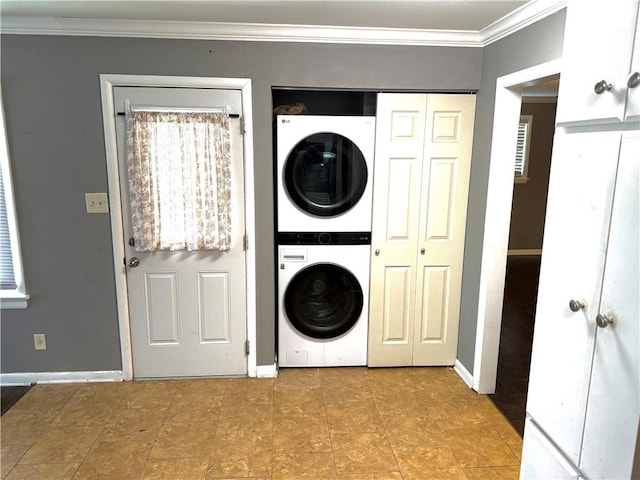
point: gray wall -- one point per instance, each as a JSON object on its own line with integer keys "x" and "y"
{"x": 530, "y": 198}
{"x": 536, "y": 44}
{"x": 52, "y": 102}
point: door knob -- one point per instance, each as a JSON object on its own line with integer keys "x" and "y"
{"x": 576, "y": 305}
{"x": 602, "y": 86}
{"x": 133, "y": 262}
{"x": 132, "y": 241}
{"x": 603, "y": 321}
{"x": 634, "y": 80}
{"x": 422, "y": 250}
{"x": 377, "y": 252}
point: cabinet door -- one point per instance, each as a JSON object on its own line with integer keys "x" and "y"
{"x": 396, "y": 205}
{"x": 541, "y": 460}
{"x": 597, "y": 46}
{"x": 633, "y": 92}
{"x": 613, "y": 412}
{"x": 581, "y": 185}
{"x": 443, "y": 215}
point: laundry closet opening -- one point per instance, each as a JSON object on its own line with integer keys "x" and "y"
{"x": 323, "y": 147}
{"x": 379, "y": 249}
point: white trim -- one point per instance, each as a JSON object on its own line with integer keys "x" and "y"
{"x": 464, "y": 374}
{"x": 258, "y": 32}
{"x": 524, "y": 252}
{"x": 107, "y": 83}
{"x": 524, "y": 16}
{"x": 266, "y": 371}
{"x": 27, "y": 378}
{"x": 15, "y": 298}
{"x": 13, "y": 302}
{"x": 497, "y": 218}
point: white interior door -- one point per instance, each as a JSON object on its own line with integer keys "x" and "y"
{"x": 400, "y": 126}
{"x": 443, "y": 217}
{"x": 187, "y": 309}
{"x": 423, "y": 158}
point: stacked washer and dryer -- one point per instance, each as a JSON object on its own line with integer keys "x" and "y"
{"x": 324, "y": 199}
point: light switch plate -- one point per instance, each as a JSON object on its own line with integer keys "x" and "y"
{"x": 96, "y": 202}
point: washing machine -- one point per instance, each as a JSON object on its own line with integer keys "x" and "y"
{"x": 324, "y": 171}
{"x": 323, "y": 295}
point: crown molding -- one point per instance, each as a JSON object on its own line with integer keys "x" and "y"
{"x": 255, "y": 32}
{"x": 524, "y": 16}
{"x": 249, "y": 32}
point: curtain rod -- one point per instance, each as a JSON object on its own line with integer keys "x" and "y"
{"x": 150, "y": 108}
{"x": 231, "y": 115}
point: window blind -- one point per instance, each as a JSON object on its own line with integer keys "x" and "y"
{"x": 7, "y": 274}
{"x": 521, "y": 149}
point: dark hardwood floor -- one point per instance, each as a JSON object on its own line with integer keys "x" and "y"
{"x": 10, "y": 395}
{"x": 516, "y": 337}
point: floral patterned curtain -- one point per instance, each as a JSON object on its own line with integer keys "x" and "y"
{"x": 179, "y": 180}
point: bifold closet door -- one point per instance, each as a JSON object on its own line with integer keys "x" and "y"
{"x": 421, "y": 177}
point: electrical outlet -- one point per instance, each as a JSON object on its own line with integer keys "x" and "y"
{"x": 96, "y": 202}
{"x": 39, "y": 341}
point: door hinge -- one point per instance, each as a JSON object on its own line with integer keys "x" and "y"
{"x": 245, "y": 242}
{"x": 247, "y": 350}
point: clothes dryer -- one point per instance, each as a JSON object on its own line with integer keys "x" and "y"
{"x": 324, "y": 173}
{"x": 323, "y": 295}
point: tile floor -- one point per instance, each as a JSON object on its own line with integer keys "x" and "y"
{"x": 333, "y": 423}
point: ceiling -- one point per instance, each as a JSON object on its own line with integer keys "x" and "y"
{"x": 356, "y": 21}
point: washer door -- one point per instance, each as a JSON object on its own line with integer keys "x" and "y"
{"x": 325, "y": 174}
{"x": 323, "y": 300}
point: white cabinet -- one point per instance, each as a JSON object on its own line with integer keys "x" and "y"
{"x": 584, "y": 385}
{"x": 421, "y": 181}
{"x": 599, "y": 56}
{"x": 581, "y": 186}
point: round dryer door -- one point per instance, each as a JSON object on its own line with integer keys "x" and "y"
{"x": 323, "y": 300}
{"x": 325, "y": 174}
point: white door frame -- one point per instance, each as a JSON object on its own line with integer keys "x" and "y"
{"x": 498, "y": 218}
{"x": 107, "y": 83}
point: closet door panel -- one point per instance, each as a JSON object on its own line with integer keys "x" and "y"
{"x": 396, "y": 206}
{"x": 443, "y": 215}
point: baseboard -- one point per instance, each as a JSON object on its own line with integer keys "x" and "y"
{"x": 28, "y": 378}
{"x": 463, "y": 373}
{"x": 525, "y": 252}
{"x": 266, "y": 371}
